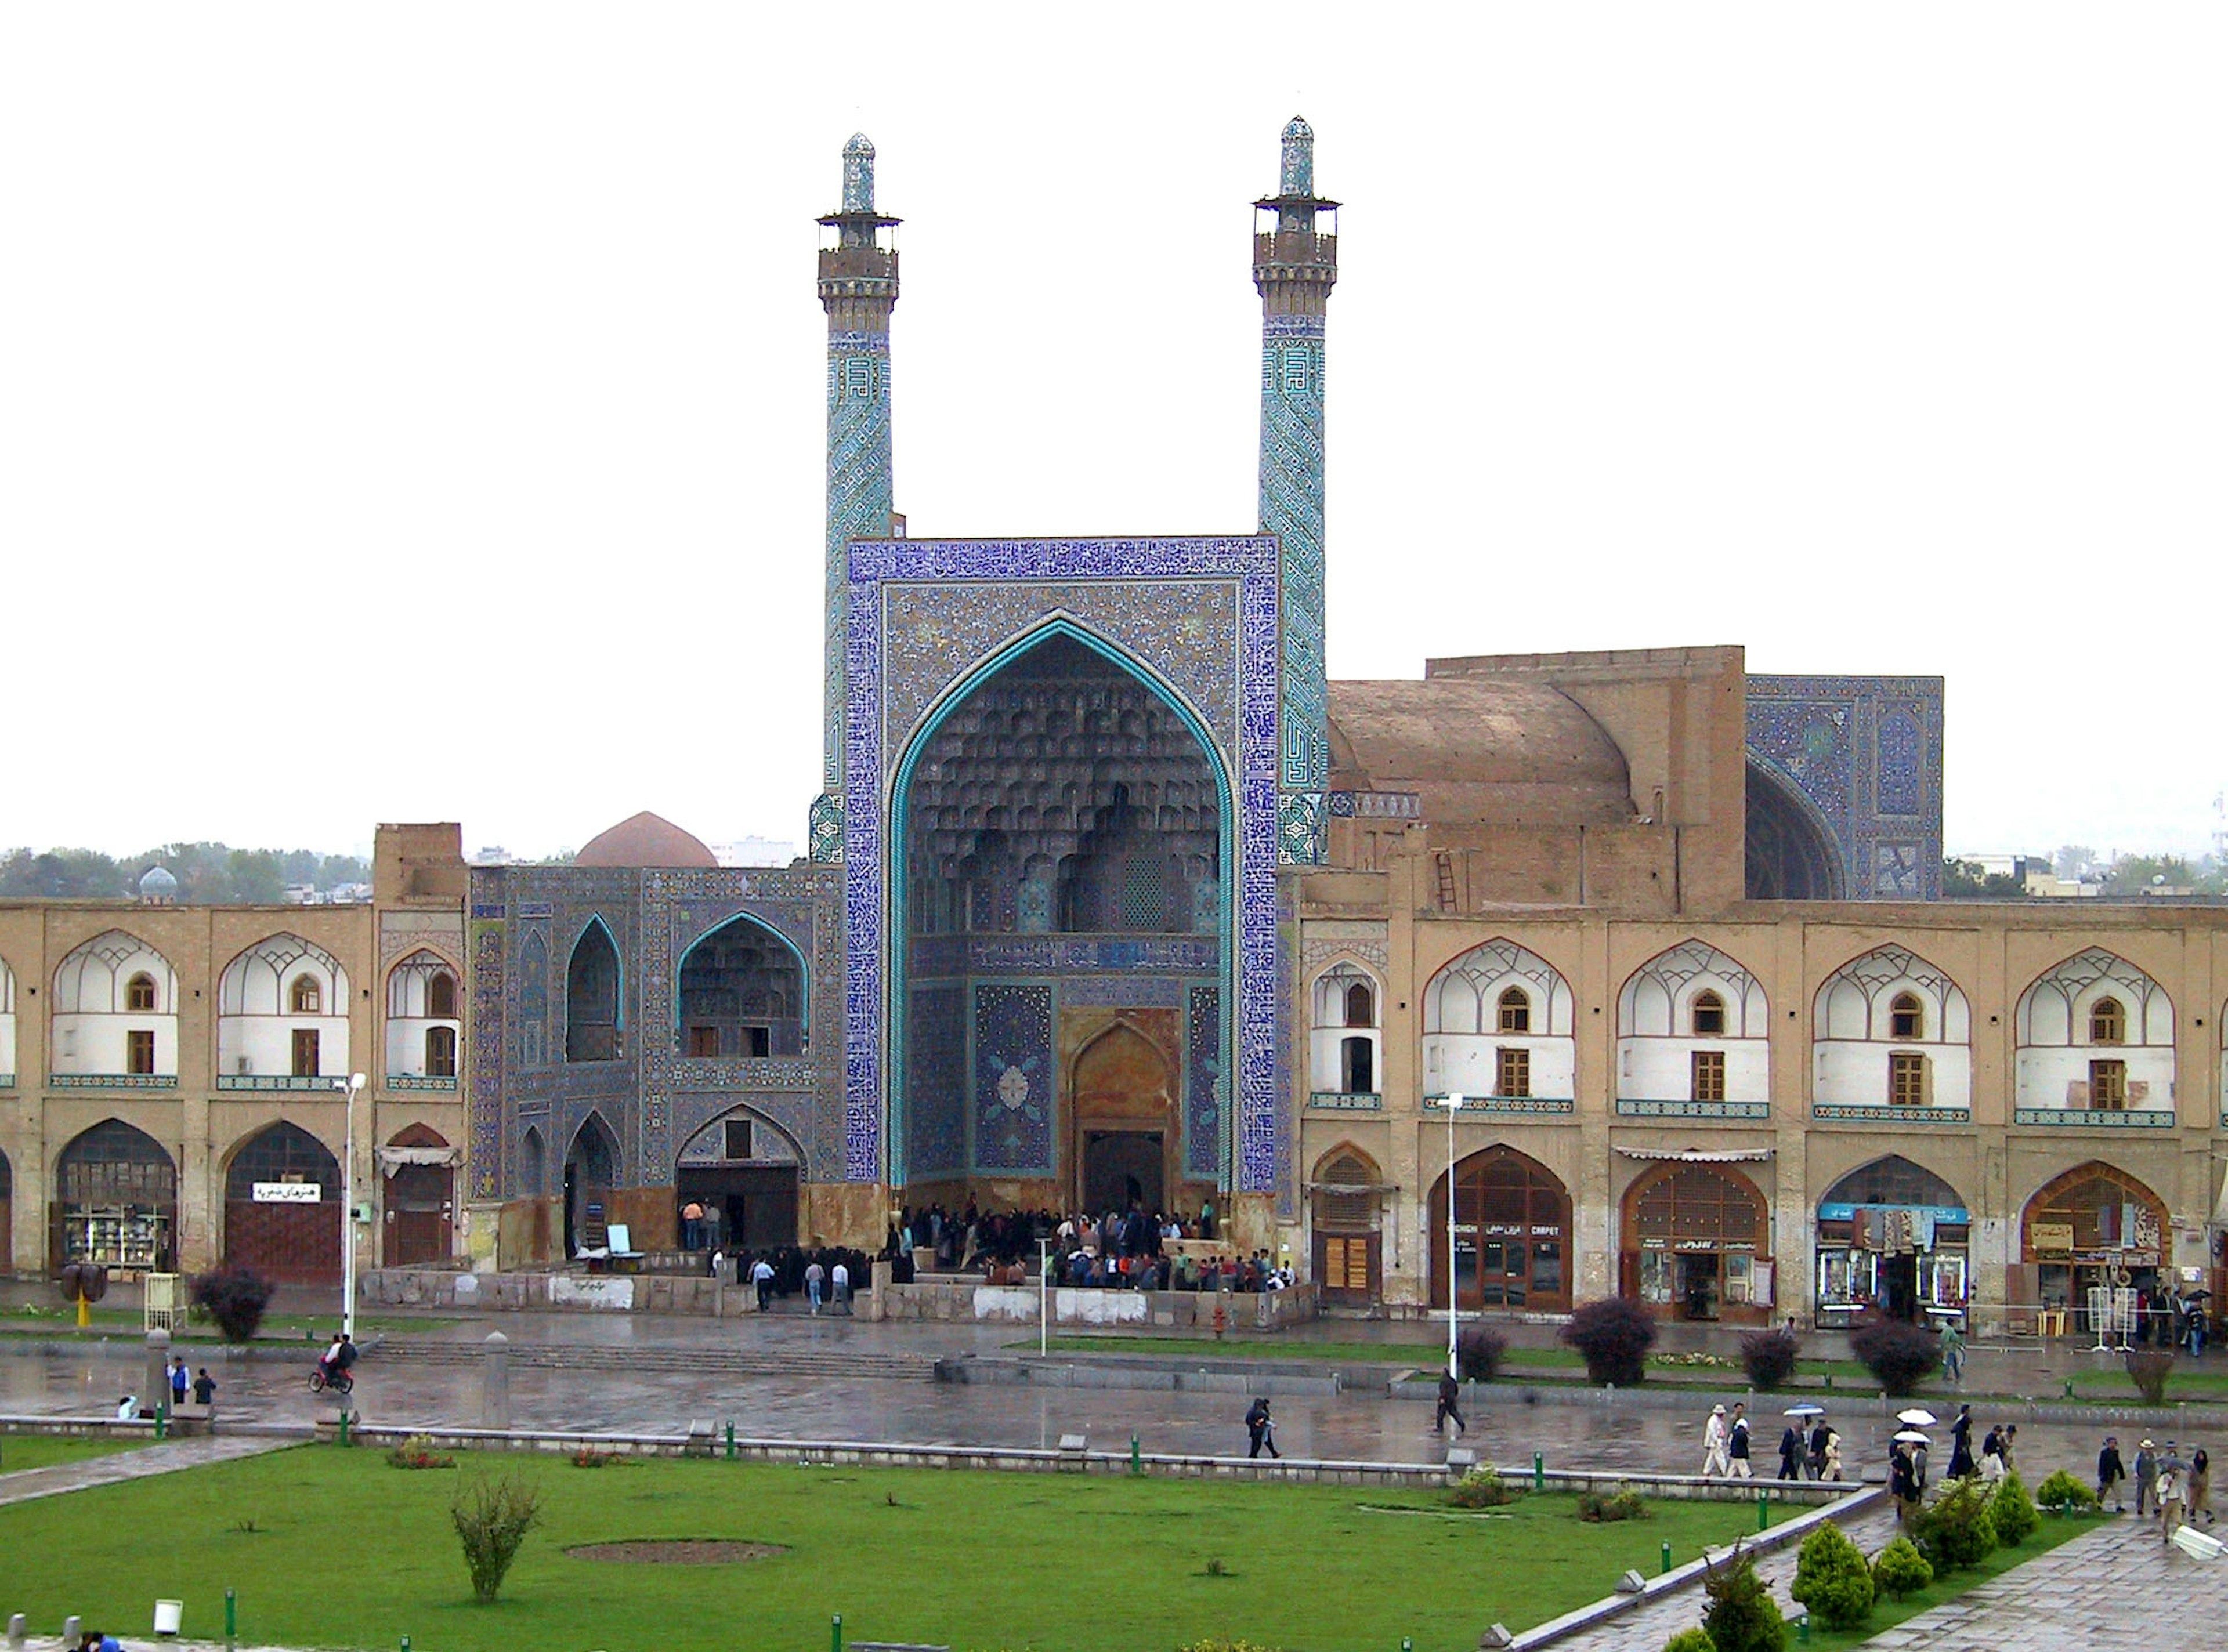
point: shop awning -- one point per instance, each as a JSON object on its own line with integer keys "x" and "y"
{"x": 392, "y": 1159}
{"x": 1698, "y": 1155}
{"x": 1353, "y": 1187}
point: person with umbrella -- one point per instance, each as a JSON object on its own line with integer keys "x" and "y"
{"x": 1790, "y": 1450}
{"x": 1820, "y": 1435}
{"x": 1902, "y": 1482}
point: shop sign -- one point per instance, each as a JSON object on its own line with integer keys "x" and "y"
{"x": 1954, "y": 1214}
{"x": 2052, "y": 1238}
{"x": 287, "y": 1192}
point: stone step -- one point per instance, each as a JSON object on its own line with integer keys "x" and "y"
{"x": 751, "y": 1361}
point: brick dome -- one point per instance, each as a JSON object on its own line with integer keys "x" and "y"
{"x": 644, "y": 839}
{"x": 1478, "y": 749}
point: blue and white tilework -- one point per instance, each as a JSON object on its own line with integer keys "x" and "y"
{"x": 1867, "y": 754}
{"x": 1015, "y": 1084}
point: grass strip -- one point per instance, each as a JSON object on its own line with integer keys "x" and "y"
{"x": 332, "y": 1547}
{"x": 20, "y": 1451}
{"x": 1887, "y": 1613}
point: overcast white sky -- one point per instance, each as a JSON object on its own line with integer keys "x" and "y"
{"x": 414, "y": 411}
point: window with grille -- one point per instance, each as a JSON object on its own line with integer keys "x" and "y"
{"x": 139, "y": 1051}
{"x": 1512, "y": 1072}
{"x": 738, "y": 1143}
{"x": 1515, "y": 1012}
{"x": 305, "y": 1052}
{"x": 441, "y": 995}
{"x": 305, "y": 998}
{"x": 1709, "y": 1016}
{"x": 1905, "y": 1018}
{"x": 2108, "y": 1086}
{"x": 440, "y": 1052}
{"x": 1361, "y": 1005}
{"x": 1357, "y": 1066}
{"x": 1709, "y": 1075}
{"x": 1906, "y": 1081}
{"x": 2107, "y": 1022}
{"x": 139, "y": 993}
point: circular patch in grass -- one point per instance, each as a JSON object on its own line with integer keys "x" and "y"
{"x": 677, "y": 1551}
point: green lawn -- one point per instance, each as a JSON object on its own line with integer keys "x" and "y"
{"x": 41, "y": 1450}
{"x": 41, "y": 1319}
{"x": 1519, "y": 1363}
{"x": 345, "y": 1551}
{"x": 1886, "y": 1613}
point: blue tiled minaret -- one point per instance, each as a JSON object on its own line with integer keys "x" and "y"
{"x": 858, "y": 288}
{"x": 1295, "y": 266}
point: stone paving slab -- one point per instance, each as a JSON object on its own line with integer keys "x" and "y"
{"x": 167, "y": 1457}
{"x": 2120, "y": 1585}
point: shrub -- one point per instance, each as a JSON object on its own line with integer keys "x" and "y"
{"x": 1832, "y": 1578}
{"x": 493, "y": 1513}
{"x": 235, "y": 1296}
{"x": 1613, "y": 1336}
{"x": 418, "y": 1452}
{"x": 1483, "y": 1488}
{"x": 2148, "y": 1368}
{"x": 2012, "y": 1511}
{"x": 1606, "y": 1509}
{"x": 1691, "y": 1640}
{"x": 1901, "y": 1569}
{"x": 1896, "y": 1353}
{"x": 1955, "y": 1530}
{"x": 1741, "y": 1616}
{"x": 1769, "y": 1358}
{"x": 2061, "y": 1490}
{"x": 1221, "y": 1643}
{"x": 1478, "y": 1353}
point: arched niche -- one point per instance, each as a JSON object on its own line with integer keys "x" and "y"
{"x": 282, "y": 1016}
{"x": 1890, "y": 1029}
{"x": 1791, "y": 853}
{"x": 284, "y": 1200}
{"x": 593, "y": 1015}
{"x": 1498, "y": 1022}
{"x": 114, "y": 1014}
{"x": 744, "y": 1169}
{"x": 2095, "y": 1033}
{"x": 1512, "y": 1238}
{"x": 1344, "y": 1053}
{"x": 742, "y": 992}
{"x": 1693, "y": 1030}
{"x": 1121, "y": 1090}
{"x": 1694, "y": 1234}
{"x": 116, "y": 1199}
{"x": 1892, "y": 1238}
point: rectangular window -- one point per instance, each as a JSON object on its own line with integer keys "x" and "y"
{"x": 305, "y": 1052}
{"x": 1512, "y": 1072}
{"x": 2108, "y": 1086}
{"x": 1906, "y": 1081}
{"x": 1709, "y": 1075}
{"x": 139, "y": 1052}
{"x": 757, "y": 1040}
{"x": 738, "y": 1144}
{"x": 703, "y": 1041}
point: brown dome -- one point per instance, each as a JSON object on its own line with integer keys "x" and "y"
{"x": 1484, "y": 750}
{"x": 644, "y": 839}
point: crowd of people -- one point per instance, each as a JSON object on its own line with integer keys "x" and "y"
{"x": 1119, "y": 1250}
{"x": 2167, "y": 1489}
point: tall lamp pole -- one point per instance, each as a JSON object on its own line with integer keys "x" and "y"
{"x": 348, "y": 1090}
{"x": 1454, "y": 1303}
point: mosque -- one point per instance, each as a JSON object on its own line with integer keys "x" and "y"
{"x": 1530, "y": 979}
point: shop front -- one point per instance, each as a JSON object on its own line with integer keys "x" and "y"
{"x": 116, "y": 1202}
{"x": 1892, "y": 1238}
{"x": 1512, "y": 1235}
{"x": 2089, "y": 1242}
{"x": 1697, "y": 1241}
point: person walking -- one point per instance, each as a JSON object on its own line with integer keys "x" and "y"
{"x": 1737, "y": 1442}
{"x": 762, "y": 1277}
{"x": 1903, "y": 1485}
{"x": 1714, "y": 1460}
{"x": 1790, "y": 1453}
{"x": 1953, "y": 1353}
{"x": 1829, "y": 1462}
{"x": 1819, "y": 1435}
{"x": 814, "y": 1277}
{"x": 1961, "y": 1466}
{"x": 1260, "y": 1430}
{"x": 2172, "y": 1490}
{"x": 839, "y": 1279}
{"x": 2200, "y": 1486}
{"x": 2146, "y": 1479}
{"x": 2110, "y": 1472}
{"x": 181, "y": 1379}
{"x": 1450, "y": 1405}
{"x": 205, "y": 1389}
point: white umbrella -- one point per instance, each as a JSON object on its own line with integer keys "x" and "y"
{"x": 1917, "y": 1417}
{"x": 1804, "y": 1411}
{"x": 1912, "y": 1437}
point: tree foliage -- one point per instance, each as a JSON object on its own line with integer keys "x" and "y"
{"x": 1769, "y": 1357}
{"x": 1901, "y": 1569}
{"x": 2011, "y": 1511}
{"x": 208, "y": 874}
{"x": 235, "y": 1297}
{"x": 1956, "y": 1529}
{"x": 1896, "y": 1353}
{"x": 1478, "y": 1353}
{"x": 1741, "y": 1616}
{"x": 1613, "y": 1336}
{"x": 1832, "y": 1578}
{"x": 492, "y": 1515}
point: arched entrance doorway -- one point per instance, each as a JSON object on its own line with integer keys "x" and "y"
{"x": 421, "y": 1191}
{"x": 591, "y": 1172}
{"x": 116, "y": 1201}
{"x": 1697, "y": 1244}
{"x": 2088, "y": 1241}
{"x": 1348, "y": 1265}
{"x": 283, "y": 1207}
{"x": 1791, "y": 855}
{"x": 1124, "y": 1096}
{"x": 1892, "y": 1238}
{"x": 745, "y": 1171}
{"x": 1512, "y": 1235}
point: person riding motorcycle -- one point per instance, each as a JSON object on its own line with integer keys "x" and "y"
{"x": 337, "y": 1359}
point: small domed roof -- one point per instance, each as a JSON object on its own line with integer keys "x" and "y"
{"x": 1297, "y": 127}
{"x": 157, "y": 880}
{"x": 860, "y": 147}
{"x": 644, "y": 839}
{"x": 1478, "y": 749}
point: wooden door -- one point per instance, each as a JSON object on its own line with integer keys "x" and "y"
{"x": 1346, "y": 1270}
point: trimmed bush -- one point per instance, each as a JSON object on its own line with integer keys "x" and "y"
{"x": 2012, "y": 1511}
{"x": 2148, "y": 1368}
{"x": 1613, "y": 1336}
{"x": 235, "y": 1296}
{"x": 1601, "y": 1509}
{"x": 2061, "y": 1490}
{"x": 1901, "y": 1569}
{"x": 492, "y": 1515}
{"x": 1832, "y": 1578}
{"x": 1478, "y": 1353}
{"x": 1955, "y": 1530}
{"x": 1898, "y": 1354}
{"x": 1691, "y": 1640}
{"x": 1483, "y": 1488}
{"x": 1741, "y": 1616}
{"x": 1769, "y": 1358}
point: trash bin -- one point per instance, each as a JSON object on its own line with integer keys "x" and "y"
{"x": 168, "y": 1614}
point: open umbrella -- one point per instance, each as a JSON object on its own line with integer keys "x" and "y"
{"x": 1912, "y": 1437}
{"x": 1804, "y": 1411}
{"x": 1917, "y": 1417}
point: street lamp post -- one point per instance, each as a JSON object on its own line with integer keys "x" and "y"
{"x": 348, "y": 1090}
{"x": 1454, "y": 1303}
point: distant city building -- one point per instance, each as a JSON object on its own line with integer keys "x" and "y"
{"x": 755, "y": 852}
